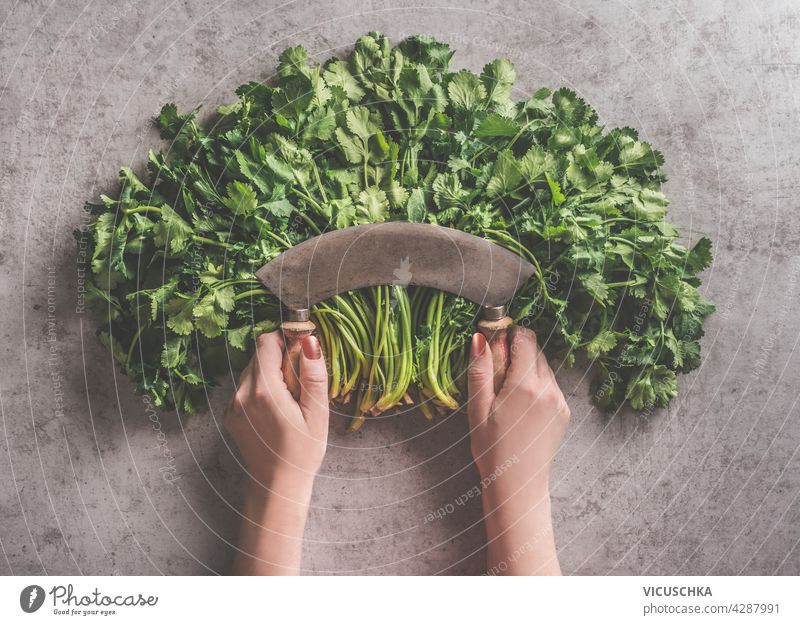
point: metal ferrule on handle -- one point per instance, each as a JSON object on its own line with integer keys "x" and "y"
{"x": 297, "y": 326}
{"x": 494, "y": 327}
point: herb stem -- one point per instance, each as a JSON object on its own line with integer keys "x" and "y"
{"x": 198, "y": 239}
{"x": 134, "y": 342}
{"x": 249, "y": 293}
{"x": 141, "y": 209}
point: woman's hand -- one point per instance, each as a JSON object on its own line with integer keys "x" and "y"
{"x": 283, "y": 443}
{"x": 278, "y": 436}
{"x": 522, "y": 425}
{"x": 514, "y": 437}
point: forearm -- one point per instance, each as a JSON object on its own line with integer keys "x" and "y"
{"x": 519, "y": 532}
{"x": 271, "y": 536}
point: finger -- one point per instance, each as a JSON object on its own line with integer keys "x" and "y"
{"x": 246, "y": 376}
{"x": 544, "y": 375}
{"x": 267, "y": 374}
{"x": 480, "y": 381}
{"x": 524, "y": 359}
{"x": 543, "y": 369}
{"x": 242, "y": 388}
{"x": 313, "y": 382}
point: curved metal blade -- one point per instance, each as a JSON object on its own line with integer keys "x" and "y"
{"x": 395, "y": 253}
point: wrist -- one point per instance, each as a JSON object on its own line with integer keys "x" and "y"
{"x": 510, "y": 520}
{"x": 513, "y": 480}
{"x": 279, "y": 503}
{"x": 293, "y": 486}
{"x": 507, "y": 502}
{"x": 497, "y": 496}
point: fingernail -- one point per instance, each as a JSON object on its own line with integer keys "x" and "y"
{"x": 311, "y": 347}
{"x": 478, "y": 344}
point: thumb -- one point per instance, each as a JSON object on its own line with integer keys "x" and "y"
{"x": 313, "y": 381}
{"x": 480, "y": 381}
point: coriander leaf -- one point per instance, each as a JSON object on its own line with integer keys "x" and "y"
{"x": 494, "y": 125}
{"x": 640, "y": 393}
{"x": 665, "y": 384}
{"x": 337, "y": 75}
{"x": 555, "y": 190}
{"x": 293, "y": 97}
{"x": 130, "y": 182}
{"x": 636, "y": 154}
{"x": 254, "y": 172}
{"x": 360, "y": 123}
{"x": 603, "y": 343}
{"x": 343, "y": 213}
{"x": 224, "y": 298}
{"x": 586, "y": 170}
{"x": 595, "y": 286}
{"x": 179, "y": 315}
{"x": 536, "y": 163}
{"x": 170, "y": 122}
{"x": 690, "y": 356}
{"x": 293, "y": 62}
{"x": 373, "y": 207}
{"x": 700, "y": 258}
{"x": 448, "y": 192}
{"x": 396, "y": 194}
{"x": 498, "y": 77}
{"x": 353, "y": 152}
{"x": 415, "y": 206}
{"x": 506, "y": 175}
{"x": 238, "y": 337}
{"x": 103, "y": 230}
{"x": 563, "y": 138}
{"x": 649, "y": 205}
{"x": 209, "y": 317}
{"x": 241, "y": 198}
{"x": 320, "y": 125}
{"x": 466, "y": 90}
{"x": 172, "y": 231}
{"x": 423, "y": 49}
{"x": 173, "y": 353}
{"x": 415, "y": 84}
{"x": 571, "y": 110}
{"x": 281, "y": 209}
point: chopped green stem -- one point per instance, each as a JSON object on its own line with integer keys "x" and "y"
{"x": 134, "y": 342}
{"x": 626, "y": 283}
{"x": 435, "y": 317}
{"x": 141, "y": 209}
{"x": 308, "y": 219}
{"x": 199, "y": 239}
{"x": 224, "y": 283}
{"x": 250, "y": 293}
{"x": 270, "y": 234}
{"x": 320, "y": 186}
{"x": 525, "y": 253}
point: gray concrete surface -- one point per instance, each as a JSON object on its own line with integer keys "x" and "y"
{"x": 709, "y": 486}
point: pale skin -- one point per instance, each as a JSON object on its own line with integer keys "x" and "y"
{"x": 514, "y": 436}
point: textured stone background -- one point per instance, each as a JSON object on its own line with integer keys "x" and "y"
{"x": 709, "y": 486}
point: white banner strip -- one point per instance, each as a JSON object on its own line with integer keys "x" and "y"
{"x": 389, "y": 600}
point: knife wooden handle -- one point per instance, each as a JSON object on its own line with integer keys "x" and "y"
{"x": 293, "y": 334}
{"x": 496, "y": 334}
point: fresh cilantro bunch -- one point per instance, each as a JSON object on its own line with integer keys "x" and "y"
{"x": 390, "y": 133}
